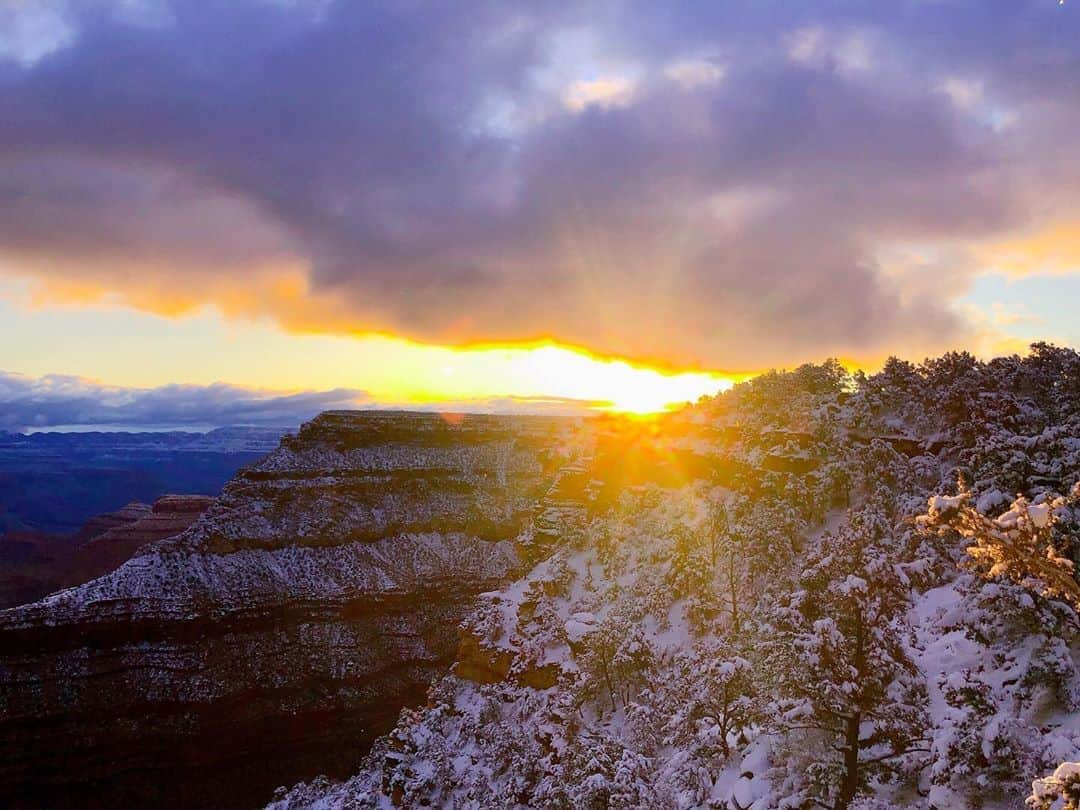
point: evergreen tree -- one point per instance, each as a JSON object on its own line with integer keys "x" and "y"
{"x": 837, "y": 652}
{"x": 1019, "y": 545}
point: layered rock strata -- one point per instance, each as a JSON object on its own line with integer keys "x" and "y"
{"x": 105, "y": 542}
{"x": 273, "y": 639}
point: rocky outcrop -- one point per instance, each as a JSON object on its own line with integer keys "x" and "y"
{"x": 273, "y": 639}
{"x": 565, "y": 505}
{"x": 790, "y": 463}
{"x": 34, "y": 563}
{"x": 124, "y": 516}
{"x": 479, "y": 663}
{"x": 48, "y": 563}
{"x": 170, "y": 515}
{"x": 484, "y": 664}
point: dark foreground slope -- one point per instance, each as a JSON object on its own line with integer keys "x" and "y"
{"x": 285, "y": 629}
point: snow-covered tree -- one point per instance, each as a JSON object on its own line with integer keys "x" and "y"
{"x": 705, "y": 708}
{"x": 1060, "y": 791}
{"x": 615, "y": 660}
{"x": 837, "y": 651}
{"x": 1019, "y": 545}
{"x": 691, "y": 570}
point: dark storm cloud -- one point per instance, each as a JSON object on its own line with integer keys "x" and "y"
{"x": 422, "y": 164}
{"x": 58, "y": 400}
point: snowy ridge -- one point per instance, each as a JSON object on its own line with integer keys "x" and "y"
{"x": 172, "y": 582}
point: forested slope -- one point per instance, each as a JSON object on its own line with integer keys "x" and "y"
{"x": 847, "y": 605}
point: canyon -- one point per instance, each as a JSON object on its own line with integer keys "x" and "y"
{"x": 281, "y": 632}
{"x": 52, "y": 483}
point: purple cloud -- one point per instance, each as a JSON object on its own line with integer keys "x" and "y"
{"x": 433, "y": 173}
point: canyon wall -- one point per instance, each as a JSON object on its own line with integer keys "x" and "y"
{"x": 279, "y": 634}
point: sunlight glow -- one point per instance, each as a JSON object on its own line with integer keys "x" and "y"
{"x": 119, "y": 345}
{"x": 621, "y": 386}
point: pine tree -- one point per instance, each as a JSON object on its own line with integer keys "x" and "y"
{"x": 1019, "y": 544}
{"x": 838, "y": 655}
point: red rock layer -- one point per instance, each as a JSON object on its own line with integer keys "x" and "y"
{"x": 33, "y": 565}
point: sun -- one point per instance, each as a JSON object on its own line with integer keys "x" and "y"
{"x": 558, "y": 375}
{"x": 615, "y": 385}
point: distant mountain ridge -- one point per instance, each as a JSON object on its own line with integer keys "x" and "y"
{"x": 54, "y": 482}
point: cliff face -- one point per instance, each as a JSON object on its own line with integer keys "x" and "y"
{"x": 137, "y": 524}
{"x": 124, "y": 516}
{"x": 169, "y": 516}
{"x": 33, "y": 565}
{"x": 284, "y": 630}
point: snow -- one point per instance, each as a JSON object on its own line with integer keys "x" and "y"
{"x": 852, "y": 584}
{"x": 1051, "y": 788}
{"x": 946, "y": 503}
{"x": 1067, "y": 770}
{"x": 579, "y": 625}
{"x": 990, "y": 500}
{"x": 1039, "y": 514}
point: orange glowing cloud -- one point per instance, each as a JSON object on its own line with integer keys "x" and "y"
{"x": 541, "y": 375}
{"x": 1051, "y": 250}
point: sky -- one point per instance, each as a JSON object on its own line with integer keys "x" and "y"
{"x": 520, "y": 205}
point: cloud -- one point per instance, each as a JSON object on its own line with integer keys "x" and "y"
{"x": 59, "y": 400}
{"x": 604, "y": 92}
{"x": 691, "y": 73}
{"x": 480, "y": 173}
{"x": 1051, "y": 249}
{"x": 29, "y": 31}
